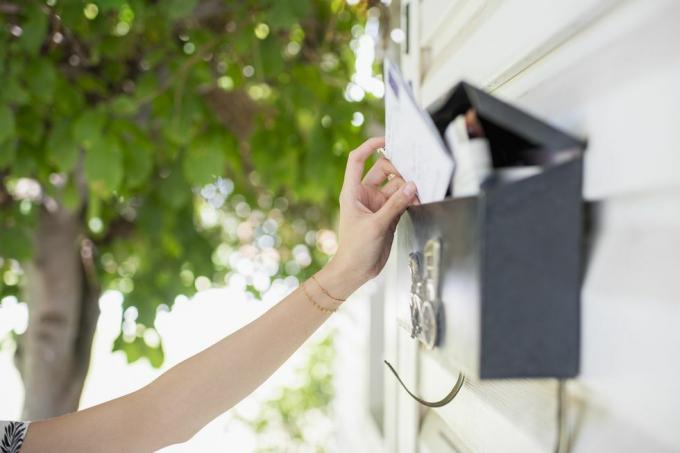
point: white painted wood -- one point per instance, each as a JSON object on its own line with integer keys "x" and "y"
{"x": 355, "y": 428}
{"x": 521, "y": 414}
{"x": 410, "y": 62}
{"x": 391, "y": 415}
{"x": 435, "y": 17}
{"x": 408, "y": 410}
{"x": 437, "y": 437}
{"x": 617, "y": 85}
{"x": 483, "y": 39}
{"x": 631, "y": 314}
{"x": 609, "y": 71}
{"x": 408, "y": 418}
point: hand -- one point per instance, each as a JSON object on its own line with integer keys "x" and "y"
{"x": 369, "y": 212}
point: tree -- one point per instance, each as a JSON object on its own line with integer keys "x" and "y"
{"x": 149, "y": 147}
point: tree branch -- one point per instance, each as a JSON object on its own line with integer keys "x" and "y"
{"x": 9, "y": 8}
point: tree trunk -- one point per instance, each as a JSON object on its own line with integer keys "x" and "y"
{"x": 53, "y": 356}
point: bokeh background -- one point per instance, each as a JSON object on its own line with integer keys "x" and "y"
{"x": 168, "y": 171}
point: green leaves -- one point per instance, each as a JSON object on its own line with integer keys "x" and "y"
{"x": 7, "y": 153}
{"x": 17, "y": 244}
{"x": 104, "y": 166}
{"x": 281, "y": 422}
{"x": 138, "y": 348}
{"x": 203, "y": 162}
{"x": 123, "y": 105}
{"x": 13, "y": 92}
{"x": 179, "y": 8}
{"x": 138, "y": 162}
{"x": 41, "y": 77}
{"x": 34, "y": 29}
{"x": 70, "y": 100}
{"x": 87, "y": 128}
{"x": 6, "y": 123}
{"x": 16, "y": 227}
{"x": 285, "y": 13}
{"x": 272, "y": 56}
{"x": 174, "y": 190}
{"x": 62, "y": 150}
{"x": 105, "y": 5}
{"x": 149, "y": 101}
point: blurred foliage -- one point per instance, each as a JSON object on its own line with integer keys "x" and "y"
{"x": 126, "y": 112}
{"x": 299, "y": 418}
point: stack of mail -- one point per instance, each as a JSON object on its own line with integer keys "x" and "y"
{"x": 422, "y": 155}
{"x": 412, "y": 141}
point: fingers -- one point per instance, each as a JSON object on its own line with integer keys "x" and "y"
{"x": 357, "y": 159}
{"x": 379, "y": 172}
{"x": 396, "y": 204}
{"x": 392, "y": 186}
{"x": 388, "y": 189}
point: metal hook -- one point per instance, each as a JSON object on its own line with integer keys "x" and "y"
{"x": 442, "y": 402}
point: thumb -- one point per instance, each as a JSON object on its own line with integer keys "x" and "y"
{"x": 396, "y": 204}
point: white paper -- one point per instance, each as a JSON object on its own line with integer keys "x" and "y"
{"x": 473, "y": 162}
{"x": 412, "y": 141}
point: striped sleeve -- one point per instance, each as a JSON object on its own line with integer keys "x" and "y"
{"x": 13, "y": 434}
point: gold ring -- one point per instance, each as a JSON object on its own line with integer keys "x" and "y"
{"x": 391, "y": 176}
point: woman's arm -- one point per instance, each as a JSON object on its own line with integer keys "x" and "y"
{"x": 185, "y": 398}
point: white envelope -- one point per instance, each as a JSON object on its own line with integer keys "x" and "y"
{"x": 412, "y": 141}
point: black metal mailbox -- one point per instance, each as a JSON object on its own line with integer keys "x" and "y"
{"x": 508, "y": 260}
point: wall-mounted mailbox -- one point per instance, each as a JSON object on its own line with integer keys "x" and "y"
{"x": 502, "y": 300}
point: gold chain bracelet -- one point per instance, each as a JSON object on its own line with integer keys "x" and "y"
{"x": 314, "y": 303}
{"x": 326, "y": 292}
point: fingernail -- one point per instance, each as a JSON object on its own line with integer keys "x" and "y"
{"x": 409, "y": 189}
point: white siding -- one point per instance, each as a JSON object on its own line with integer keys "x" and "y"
{"x": 609, "y": 71}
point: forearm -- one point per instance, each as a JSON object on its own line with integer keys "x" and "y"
{"x": 213, "y": 381}
{"x": 185, "y": 398}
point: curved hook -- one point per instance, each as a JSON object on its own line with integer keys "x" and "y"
{"x": 442, "y": 402}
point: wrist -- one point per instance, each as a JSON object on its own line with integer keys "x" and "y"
{"x": 339, "y": 281}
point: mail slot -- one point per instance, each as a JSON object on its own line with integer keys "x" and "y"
{"x": 496, "y": 277}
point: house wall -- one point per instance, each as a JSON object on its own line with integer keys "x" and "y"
{"x": 608, "y": 71}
